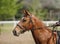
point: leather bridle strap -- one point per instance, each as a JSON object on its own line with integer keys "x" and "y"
{"x": 21, "y": 28}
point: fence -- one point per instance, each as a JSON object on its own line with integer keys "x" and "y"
{"x": 15, "y": 22}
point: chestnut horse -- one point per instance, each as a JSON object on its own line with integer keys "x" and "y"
{"x": 41, "y": 33}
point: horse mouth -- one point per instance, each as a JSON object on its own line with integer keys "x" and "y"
{"x": 15, "y": 33}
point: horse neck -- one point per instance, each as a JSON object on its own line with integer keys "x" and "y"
{"x": 38, "y": 23}
{"x": 35, "y": 39}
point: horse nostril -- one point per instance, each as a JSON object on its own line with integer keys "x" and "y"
{"x": 14, "y": 32}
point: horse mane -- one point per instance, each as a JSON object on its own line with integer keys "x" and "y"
{"x": 39, "y": 23}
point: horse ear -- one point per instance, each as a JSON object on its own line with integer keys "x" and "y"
{"x": 26, "y": 13}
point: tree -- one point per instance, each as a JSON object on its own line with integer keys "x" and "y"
{"x": 38, "y": 10}
{"x": 8, "y": 8}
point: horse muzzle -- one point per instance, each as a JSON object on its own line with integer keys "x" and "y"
{"x": 15, "y": 33}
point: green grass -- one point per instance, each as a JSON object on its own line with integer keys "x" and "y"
{"x": 6, "y": 27}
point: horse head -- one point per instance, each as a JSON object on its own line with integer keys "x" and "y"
{"x": 25, "y": 24}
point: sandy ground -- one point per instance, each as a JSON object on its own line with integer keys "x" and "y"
{"x": 9, "y": 38}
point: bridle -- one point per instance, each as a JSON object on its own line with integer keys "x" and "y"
{"x": 25, "y": 29}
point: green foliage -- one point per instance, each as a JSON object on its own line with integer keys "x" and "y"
{"x": 35, "y": 8}
{"x": 11, "y": 8}
{"x": 8, "y": 8}
{"x": 41, "y": 13}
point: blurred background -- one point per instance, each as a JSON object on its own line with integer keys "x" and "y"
{"x": 43, "y": 9}
{"x": 11, "y": 13}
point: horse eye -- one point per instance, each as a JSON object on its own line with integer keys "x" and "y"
{"x": 24, "y": 20}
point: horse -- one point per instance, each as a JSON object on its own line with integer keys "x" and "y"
{"x": 40, "y": 32}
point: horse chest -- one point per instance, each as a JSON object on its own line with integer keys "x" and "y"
{"x": 41, "y": 35}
